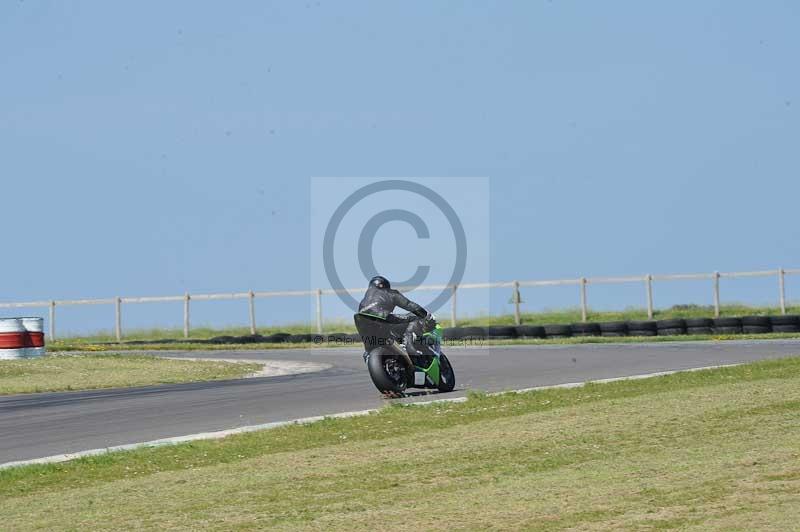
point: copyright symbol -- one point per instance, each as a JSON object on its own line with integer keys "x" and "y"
{"x": 318, "y": 339}
{"x": 370, "y": 229}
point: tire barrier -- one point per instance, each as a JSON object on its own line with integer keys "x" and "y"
{"x": 642, "y": 328}
{"x": 666, "y": 327}
{"x": 453, "y": 333}
{"x": 696, "y": 326}
{"x": 338, "y": 337}
{"x": 474, "y": 333}
{"x": 558, "y": 331}
{"x": 585, "y": 329}
{"x": 756, "y": 324}
{"x": 613, "y": 328}
{"x": 673, "y": 327}
{"x": 785, "y": 324}
{"x": 502, "y": 332}
{"x": 525, "y": 331}
{"x": 727, "y": 325}
{"x": 300, "y": 338}
{"x": 21, "y": 338}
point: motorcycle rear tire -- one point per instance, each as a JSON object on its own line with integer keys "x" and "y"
{"x": 378, "y": 362}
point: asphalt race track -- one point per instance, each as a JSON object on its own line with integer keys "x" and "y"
{"x": 38, "y": 425}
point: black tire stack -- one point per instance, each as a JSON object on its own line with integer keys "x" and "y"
{"x": 558, "y": 331}
{"x": 666, "y": 327}
{"x": 613, "y": 328}
{"x": 585, "y": 329}
{"x": 529, "y": 331}
{"x": 672, "y": 327}
{"x": 785, "y": 324}
{"x": 502, "y": 332}
{"x": 727, "y": 325}
{"x": 696, "y": 326}
{"x": 300, "y": 338}
{"x": 473, "y": 333}
{"x": 642, "y": 328}
{"x": 453, "y": 333}
{"x": 756, "y": 324}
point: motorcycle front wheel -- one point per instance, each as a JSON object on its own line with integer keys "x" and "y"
{"x": 447, "y": 377}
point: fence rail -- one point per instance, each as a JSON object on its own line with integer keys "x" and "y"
{"x": 582, "y": 282}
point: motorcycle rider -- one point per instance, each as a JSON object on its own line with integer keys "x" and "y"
{"x": 380, "y": 301}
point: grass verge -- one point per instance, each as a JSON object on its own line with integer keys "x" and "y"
{"x": 55, "y": 373}
{"x": 716, "y": 449}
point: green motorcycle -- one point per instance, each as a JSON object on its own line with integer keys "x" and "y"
{"x": 394, "y": 367}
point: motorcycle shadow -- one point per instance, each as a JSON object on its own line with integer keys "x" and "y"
{"x": 415, "y": 393}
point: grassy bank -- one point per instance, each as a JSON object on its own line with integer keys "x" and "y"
{"x": 528, "y": 318}
{"x": 706, "y": 450}
{"x": 86, "y": 372}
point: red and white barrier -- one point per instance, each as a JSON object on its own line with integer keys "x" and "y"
{"x": 21, "y": 338}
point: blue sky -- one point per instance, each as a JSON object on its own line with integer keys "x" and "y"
{"x": 163, "y": 147}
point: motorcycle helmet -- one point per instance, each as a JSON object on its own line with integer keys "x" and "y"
{"x": 380, "y": 282}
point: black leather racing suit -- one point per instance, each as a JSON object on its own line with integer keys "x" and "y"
{"x": 380, "y": 302}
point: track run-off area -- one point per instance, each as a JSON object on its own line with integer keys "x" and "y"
{"x": 46, "y": 424}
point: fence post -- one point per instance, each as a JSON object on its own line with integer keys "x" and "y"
{"x": 716, "y": 294}
{"x": 252, "y": 298}
{"x": 186, "y": 299}
{"x": 782, "y": 288}
{"x": 52, "y": 320}
{"x": 453, "y": 291}
{"x": 118, "y": 318}
{"x": 517, "y": 317}
{"x": 584, "y": 309}
{"x": 649, "y": 283}
{"x": 319, "y": 311}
